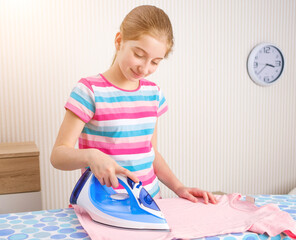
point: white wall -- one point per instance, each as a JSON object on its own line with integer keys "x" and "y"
{"x": 222, "y": 132}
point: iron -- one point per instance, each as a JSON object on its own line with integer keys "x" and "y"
{"x": 135, "y": 209}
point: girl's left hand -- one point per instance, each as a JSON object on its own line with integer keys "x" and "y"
{"x": 191, "y": 194}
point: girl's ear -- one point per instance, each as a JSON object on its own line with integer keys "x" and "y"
{"x": 118, "y": 40}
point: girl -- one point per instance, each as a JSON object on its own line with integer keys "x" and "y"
{"x": 114, "y": 114}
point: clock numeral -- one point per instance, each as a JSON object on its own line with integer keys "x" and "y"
{"x": 267, "y": 49}
{"x": 266, "y": 79}
{"x": 278, "y": 63}
{"x": 255, "y": 64}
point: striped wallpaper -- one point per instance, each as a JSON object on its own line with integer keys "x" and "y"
{"x": 222, "y": 132}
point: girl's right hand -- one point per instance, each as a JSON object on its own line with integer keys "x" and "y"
{"x": 105, "y": 169}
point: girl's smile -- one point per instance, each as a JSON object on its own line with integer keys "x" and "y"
{"x": 137, "y": 75}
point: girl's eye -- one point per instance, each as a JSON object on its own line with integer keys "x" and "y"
{"x": 138, "y": 56}
{"x": 155, "y": 63}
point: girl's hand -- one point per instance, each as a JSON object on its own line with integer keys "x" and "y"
{"x": 105, "y": 169}
{"x": 191, "y": 194}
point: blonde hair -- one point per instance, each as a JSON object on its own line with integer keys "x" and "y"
{"x": 149, "y": 20}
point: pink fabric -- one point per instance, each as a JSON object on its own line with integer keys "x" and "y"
{"x": 195, "y": 220}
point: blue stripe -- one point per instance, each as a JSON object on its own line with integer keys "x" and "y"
{"x": 137, "y": 167}
{"x": 154, "y": 190}
{"x": 119, "y": 134}
{"x": 126, "y": 98}
{"x": 123, "y": 128}
{"x": 79, "y": 91}
{"x": 83, "y": 101}
{"x": 162, "y": 101}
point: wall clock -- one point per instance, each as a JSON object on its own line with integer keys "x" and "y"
{"x": 265, "y": 64}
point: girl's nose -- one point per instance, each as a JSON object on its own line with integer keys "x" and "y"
{"x": 144, "y": 68}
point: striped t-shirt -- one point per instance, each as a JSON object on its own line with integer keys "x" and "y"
{"x": 120, "y": 123}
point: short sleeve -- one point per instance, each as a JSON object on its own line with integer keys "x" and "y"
{"x": 82, "y": 101}
{"x": 162, "y": 106}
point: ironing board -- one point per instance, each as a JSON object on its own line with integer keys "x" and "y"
{"x": 63, "y": 223}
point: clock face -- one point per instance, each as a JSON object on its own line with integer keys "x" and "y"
{"x": 265, "y": 64}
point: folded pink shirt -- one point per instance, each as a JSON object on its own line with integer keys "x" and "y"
{"x": 195, "y": 220}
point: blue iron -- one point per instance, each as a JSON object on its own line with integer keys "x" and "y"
{"x": 135, "y": 209}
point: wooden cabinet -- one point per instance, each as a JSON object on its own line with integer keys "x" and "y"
{"x": 19, "y": 177}
{"x": 19, "y": 168}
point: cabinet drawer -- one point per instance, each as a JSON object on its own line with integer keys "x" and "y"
{"x": 20, "y": 202}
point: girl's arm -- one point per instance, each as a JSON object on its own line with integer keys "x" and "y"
{"x": 166, "y": 176}
{"x": 64, "y": 156}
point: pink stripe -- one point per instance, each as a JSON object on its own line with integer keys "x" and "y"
{"x": 162, "y": 111}
{"x": 149, "y": 181}
{"x": 85, "y": 82}
{"x": 97, "y": 144}
{"x": 98, "y": 81}
{"x": 145, "y": 176}
{"x": 142, "y": 173}
{"x": 122, "y": 110}
{"x": 113, "y": 140}
{"x": 144, "y": 182}
{"x": 101, "y": 84}
{"x": 125, "y": 151}
{"x": 127, "y": 104}
{"x": 124, "y": 116}
{"x": 146, "y": 82}
{"x": 118, "y": 151}
{"x": 104, "y": 84}
{"x": 84, "y": 117}
{"x": 95, "y": 79}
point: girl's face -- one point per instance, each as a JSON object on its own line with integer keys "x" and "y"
{"x": 139, "y": 58}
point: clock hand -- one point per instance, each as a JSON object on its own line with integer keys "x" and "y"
{"x": 262, "y": 69}
{"x": 270, "y": 65}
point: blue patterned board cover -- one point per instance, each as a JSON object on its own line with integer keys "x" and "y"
{"x": 63, "y": 223}
{"x": 50, "y": 224}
